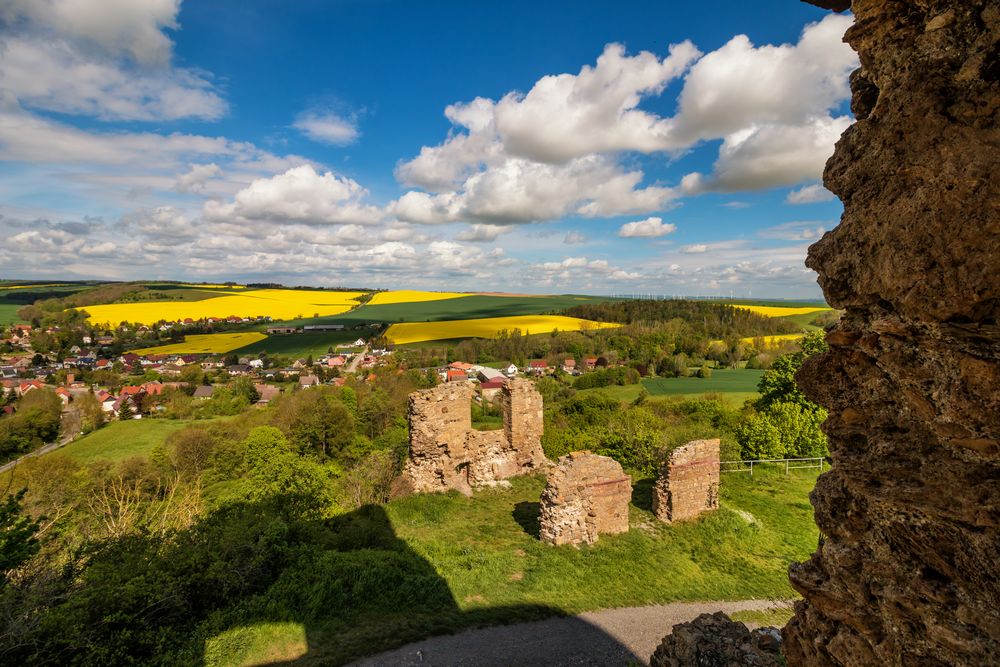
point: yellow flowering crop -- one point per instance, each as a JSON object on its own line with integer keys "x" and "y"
{"x": 773, "y": 341}
{"x": 780, "y": 311}
{"x": 279, "y": 304}
{"x": 412, "y": 296}
{"x": 219, "y": 343}
{"x": 415, "y": 332}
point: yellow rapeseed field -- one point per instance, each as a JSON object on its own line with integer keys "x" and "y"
{"x": 30, "y": 286}
{"x": 219, "y": 343}
{"x": 415, "y": 332}
{"x": 780, "y": 311}
{"x": 279, "y": 304}
{"x": 773, "y": 341}
{"x": 411, "y": 296}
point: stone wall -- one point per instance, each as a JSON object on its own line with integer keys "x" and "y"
{"x": 689, "y": 482}
{"x": 446, "y": 453}
{"x": 907, "y": 573}
{"x": 586, "y": 495}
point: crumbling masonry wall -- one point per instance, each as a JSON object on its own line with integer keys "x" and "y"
{"x": 907, "y": 572}
{"x": 689, "y": 482}
{"x": 586, "y": 495}
{"x": 446, "y": 453}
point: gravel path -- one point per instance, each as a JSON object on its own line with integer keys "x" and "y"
{"x": 610, "y": 637}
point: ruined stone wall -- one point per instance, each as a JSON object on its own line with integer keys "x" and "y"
{"x": 446, "y": 453}
{"x": 689, "y": 482}
{"x": 521, "y": 407}
{"x": 908, "y": 571}
{"x": 586, "y": 495}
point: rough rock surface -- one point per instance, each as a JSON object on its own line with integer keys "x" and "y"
{"x": 446, "y": 453}
{"x": 586, "y": 495}
{"x": 713, "y": 640}
{"x": 907, "y": 572}
{"x": 688, "y": 483}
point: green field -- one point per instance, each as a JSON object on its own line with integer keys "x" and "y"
{"x": 461, "y": 308}
{"x": 8, "y": 313}
{"x": 735, "y": 385}
{"x": 302, "y": 344}
{"x": 433, "y": 564}
{"x": 726, "y": 380}
{"x": 121, "y": 440}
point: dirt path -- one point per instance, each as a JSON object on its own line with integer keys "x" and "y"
{"x": 610, "y": 637}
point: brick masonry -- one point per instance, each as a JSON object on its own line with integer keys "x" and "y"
{"x": 689, "y": 482}
{"x": 446, "y": 453}
{"x": 586, "y": 495}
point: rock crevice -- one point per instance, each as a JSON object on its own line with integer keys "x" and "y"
{"x": 910, "y": 512}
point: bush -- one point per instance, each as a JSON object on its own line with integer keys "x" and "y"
{"x": 615, "y": 375}
{"x": 784, "y": 430}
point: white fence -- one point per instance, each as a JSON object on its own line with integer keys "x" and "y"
{"x": 789, "y": 464}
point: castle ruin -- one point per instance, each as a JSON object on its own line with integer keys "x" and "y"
{"x": 586, "y": 495}
{"x": 689, "y": 482}
{"x": 447, "y": 453}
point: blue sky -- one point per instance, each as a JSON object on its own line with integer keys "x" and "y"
{"x": 669, "y": 148}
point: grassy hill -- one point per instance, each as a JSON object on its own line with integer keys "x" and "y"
{"x": 121, "y": 440}
{"x": 478, "y": 561}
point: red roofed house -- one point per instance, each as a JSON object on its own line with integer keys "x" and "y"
{"x": 490, "y": 388}
{"x": 590, "y": 362}
{"x": 153, "y": 388}
{"x": 28, "y": 385}
{"x": 569, "y": 365}
{"x": 63, "y": 394}
{"x": 538, "y": 367}
{"x": 334, "y": 362}
{"x": 455, "y": 375}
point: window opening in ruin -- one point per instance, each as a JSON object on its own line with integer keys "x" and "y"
{"x": 486, "y": 415}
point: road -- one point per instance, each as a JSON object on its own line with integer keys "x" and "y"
{"x": 44, "y": 449}
{"x": 353, "y": 366}
{"x": 609, "y": 637}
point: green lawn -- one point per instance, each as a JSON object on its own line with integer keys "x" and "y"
{"x": 434, "y": 564}
{"x": 121, "y": 440}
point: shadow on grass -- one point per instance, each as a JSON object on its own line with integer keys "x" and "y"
{"x": 259, "y": 583}
{"x": 642, "y": 494}
{"x": 527, "y": 515}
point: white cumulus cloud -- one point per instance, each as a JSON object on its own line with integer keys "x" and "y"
{"x": 649, "y": 228}
{"x": 299, "y": 195}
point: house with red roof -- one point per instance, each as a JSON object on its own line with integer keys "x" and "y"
{"x": 456, "y": 375}
{"x": 538, "y": 367}
{"x": 64, "y": 395}
{"x": 490, "y": 388}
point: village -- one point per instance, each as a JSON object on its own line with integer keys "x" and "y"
{"x": 130, "y": 385}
